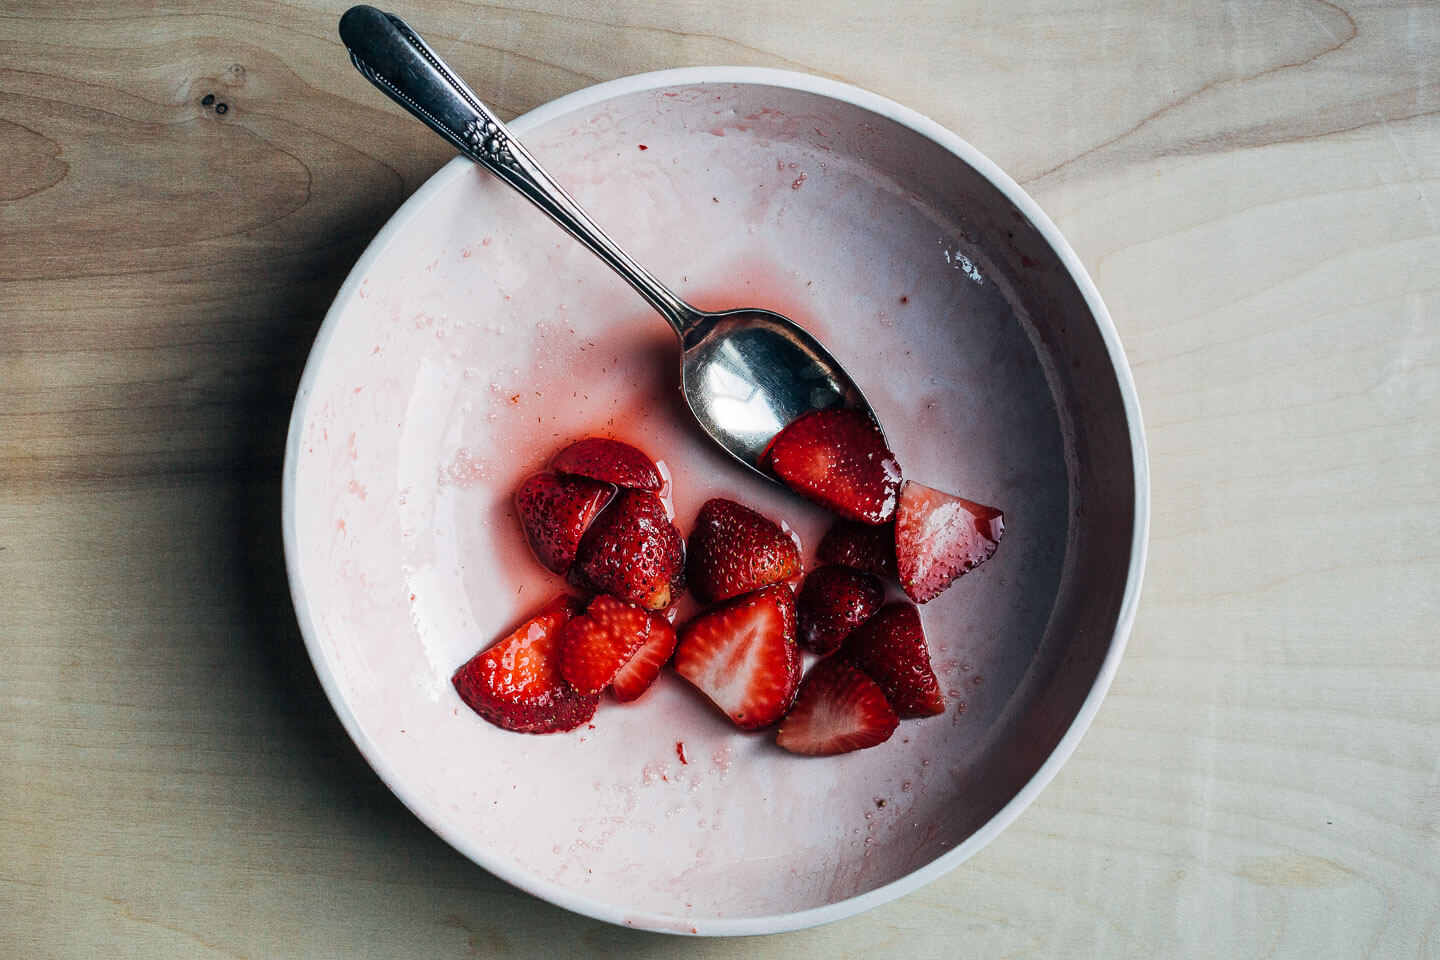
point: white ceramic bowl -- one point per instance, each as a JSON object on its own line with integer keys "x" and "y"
{"x": 473, "y": 338}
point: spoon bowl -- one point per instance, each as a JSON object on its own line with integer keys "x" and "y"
{"x": 748, "y": 373}
{"x": 745, "y": 373}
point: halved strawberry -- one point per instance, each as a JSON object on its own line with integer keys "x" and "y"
{"x": 596, "y": 644}
{"x": 890, "y": 647}
{"x": 862, "y": 546}
{"x": 556, "y": 512}
{"x": 632, "y": 551}
{"x": 515, "y": 683}
{"x": 839, "y": 459}
{"x": 734, "y": 550}
{"x": 611, "y": 461}
{"x": 838, "y": 709}
{"x": 636, "y": 676}
{"x": 742, "y": 655}
{"x": 939, "y": 537}
{"x": 832, "y": 602}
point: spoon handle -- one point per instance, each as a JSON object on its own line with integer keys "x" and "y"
{"x": 394, "y": 58}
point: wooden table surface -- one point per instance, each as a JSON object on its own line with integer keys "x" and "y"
{"x": 1255, "y": 189}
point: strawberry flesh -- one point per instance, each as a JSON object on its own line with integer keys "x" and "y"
{"x": 742, "y": 655}
{"x": 633, "y": 552}
{"x": 862, "y": 546}
{"x": 832, "y": 602}
{"x": 597, "y": 644}
{"x": 637, "y": 675}
{"x": 839, "y": 459}
{"x": 838, "y": 709}
{"x": 555, "y": 512}
{"x": 609, "y": 461}
{"x": 734, "y": 550}
{"x": 515, "y": 683}
{"x": 940, "y": 537}
{"x": 890, "y": 647}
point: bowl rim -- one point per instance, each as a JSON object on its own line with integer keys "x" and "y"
{"x": 779, "y": 922}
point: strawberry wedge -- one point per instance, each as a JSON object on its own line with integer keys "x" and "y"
{"x": 861, "y": 546}
{"x": 832, "y": 602}
{"x": 734, "y": 550}
{"x": 597, "y": 644}
{"x": 839, "y": 459}
{"x": 940, "y": 537}
{"x": 633, "y": 552}
{"x": 555, "y": 512}
{"x": 640, "y": 672}
{"x": 609, "y": 461}
{"x": 515, "y": 683}
{"x": 839, "y": 709}
{"x": 742, "y": 655}
{"x": 891, "y": 648}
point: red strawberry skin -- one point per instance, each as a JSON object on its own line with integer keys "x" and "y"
{"x": 555, "y": 512}
{"x": 640, "y": 672}
{"x": 515, "y": 683}
{"x": 742, "y": 655}
{"x": 839, "y": 459}
{"x": 891, "y": 648}
{"x": 610, "y": 461}
{"x": 838, "y": 709}
{"x": 862, "y": 546}
{"x": 633, "y": 552}
{"x": 735, "y": 550}
{"x": 832, "y": 602}
{"x": 940, "y": 537}
{"x": 597, "y": 644}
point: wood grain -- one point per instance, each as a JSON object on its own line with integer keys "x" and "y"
{"x": 1254, "y": 188}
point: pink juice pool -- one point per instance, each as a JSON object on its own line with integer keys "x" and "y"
{"x": 484, "y": 340}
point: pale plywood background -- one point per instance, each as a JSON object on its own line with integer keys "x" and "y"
{"x": 1254, "y": 187}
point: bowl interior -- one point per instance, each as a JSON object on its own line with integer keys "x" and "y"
{"x": 475, "y": 338}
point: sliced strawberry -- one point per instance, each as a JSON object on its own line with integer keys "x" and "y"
{"x": 610, "y": 461}
{"x": 939, "y": 537}
{"x": 862, "y": 546}
{"x": 636, "y": 676}
{"x": 832, "y": 602}
{"x": 596, "y": 644}
{"x": 556, "y": 512}
{"x": 734, "y": 550}
{"x": 633, "y": 552}
{"x": 838, "y": 709}
{"x": 742, "y": 655}
{"x": 890, "y": 647}
{"x": 515, "y": 683}
{"x": 839, "y": 459}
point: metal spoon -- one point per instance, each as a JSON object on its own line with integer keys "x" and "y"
{"x": 745, "y": 373}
